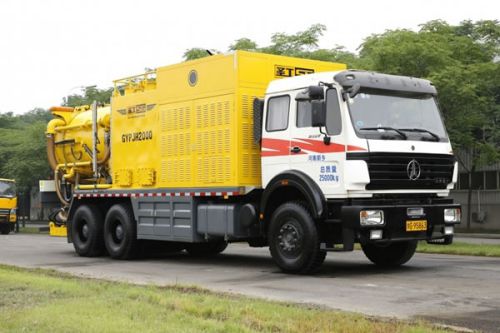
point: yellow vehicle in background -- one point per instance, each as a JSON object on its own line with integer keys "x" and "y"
{"x": 8, "y": 205}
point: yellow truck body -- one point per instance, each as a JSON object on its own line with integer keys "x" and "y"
{"x": 188, "y": 125}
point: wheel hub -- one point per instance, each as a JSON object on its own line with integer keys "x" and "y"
{"x": 85, "y": 231}
{"x": 289, "y": 238}
{"x": 119, "y": 232}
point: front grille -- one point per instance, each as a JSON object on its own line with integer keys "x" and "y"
{"x": 4, "y": 211}
{"x": 390, "y": 170}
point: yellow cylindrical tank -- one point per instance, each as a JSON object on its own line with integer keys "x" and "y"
{"x": 69, "y": 137}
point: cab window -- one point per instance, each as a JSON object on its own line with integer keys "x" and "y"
{"x": 304, "y": 114}
{"x": 277, "y": 113}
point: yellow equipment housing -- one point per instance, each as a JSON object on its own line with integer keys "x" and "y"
{"x": 71, "y": 131}
{"x": 188, "y": 125}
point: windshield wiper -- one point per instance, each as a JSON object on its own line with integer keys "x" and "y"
{"x": 421, "y": 130}
{"x": 385, "y": 128}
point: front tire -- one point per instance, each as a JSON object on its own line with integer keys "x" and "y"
{"x": 294, "y": 241}
{"x": 5, "y": 228}
{"x": 120, "y": 232}
{"x": 391, "y": 255}
{"x": 87, "y": 231}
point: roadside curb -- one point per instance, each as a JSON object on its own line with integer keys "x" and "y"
{"x": 467, "y": 235}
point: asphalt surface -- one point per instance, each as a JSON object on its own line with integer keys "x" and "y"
{"x": 454, "y": 290}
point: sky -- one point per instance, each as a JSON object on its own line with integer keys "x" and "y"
{"x": 52, "y": 48}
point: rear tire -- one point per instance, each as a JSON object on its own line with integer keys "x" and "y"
{"x": 206, "y": 249}
{"x": 391, "y": 255}
{"x": 120, "y": 232}
{"x": 294, "y": 241}
{"x": 87, "y": 231}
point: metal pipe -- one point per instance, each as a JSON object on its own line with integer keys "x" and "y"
{"x": 94, "y": 139}
{"x": 58, "y": 188}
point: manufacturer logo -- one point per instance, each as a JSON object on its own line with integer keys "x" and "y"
{"x": 136, "y": 111}
{"x": 413, "y": 170}
{"x": 287, "y": 71}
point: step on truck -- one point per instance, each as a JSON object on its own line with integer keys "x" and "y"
{"x": 302, "y": 156}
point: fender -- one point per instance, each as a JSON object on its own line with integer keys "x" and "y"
{"x": 304, "y": 184}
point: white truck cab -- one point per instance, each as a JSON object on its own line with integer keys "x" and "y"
{"x": 368, "y": 154}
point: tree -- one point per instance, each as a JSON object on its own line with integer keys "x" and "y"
{"x": 245, "y": 44}
{"x": 303, "y": 44}
{"x": 197, "y": 53}
{"x": 23, "y": 151}
{"x": 462, "y": 61}
{"x": 296, "y": 44}
{"x": 27, "y": 157}
{"x": 88, "y": 96}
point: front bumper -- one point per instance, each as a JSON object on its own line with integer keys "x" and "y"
{"x": 8, "y": 218}
{"x": 395, "y": 222}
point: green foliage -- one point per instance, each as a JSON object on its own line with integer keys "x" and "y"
{"x": 296, "y": 44}
{"x": 243, "y": 44}
{"x": 303, "y": 44}
{"x": 460, "y": 60}
{"x": 469, "y": 98}
{"x": 461, "y": 248}
{"x": 88, "y": 96}
{"x": 23, "y": 150}
{"x": 197, "y": 53}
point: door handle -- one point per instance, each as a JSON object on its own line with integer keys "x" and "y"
{"x": 295, "y": 150}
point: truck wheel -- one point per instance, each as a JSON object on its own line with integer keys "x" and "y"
{"x": 206, "y": 249}
{"x": 4, "y": 229}
{"x": 392, "y": 255}
{"x": 87, "y": 231}
{"x": 293, "y": 240}
{"x": 120, "y": 232}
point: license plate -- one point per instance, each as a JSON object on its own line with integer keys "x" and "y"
{"x": 416, "y": 225}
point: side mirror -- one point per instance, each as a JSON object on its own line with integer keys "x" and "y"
{"x": 354, "y": 90}
{"x": 312, "y": 93}
{"x": 318, "y": 113}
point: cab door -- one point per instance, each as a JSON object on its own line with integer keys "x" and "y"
{"x": 275, "y": 150}
{"x": 320, "y": 158}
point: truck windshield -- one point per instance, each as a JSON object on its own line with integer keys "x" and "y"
{"x": 7, "y": 189}
{"x": 377, "y": 116}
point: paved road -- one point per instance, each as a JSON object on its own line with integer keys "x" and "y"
{"x": 457, "y": 290}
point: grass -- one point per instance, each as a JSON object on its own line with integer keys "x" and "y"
{"x": 457, "y": 248}
{"x": 484, "y": 250}
{"x": 464, "y": 230}
{"x": 31, "y": 230}
{"x": 47, "y": 301}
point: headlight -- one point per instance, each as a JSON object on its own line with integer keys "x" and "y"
{"x": 452, "y": 215}
{"x": 371, "y": 217}
{"x": 12, "y": 215}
